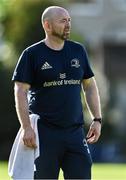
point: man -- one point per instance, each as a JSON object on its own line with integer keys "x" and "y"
{"x": 52, "y": 72}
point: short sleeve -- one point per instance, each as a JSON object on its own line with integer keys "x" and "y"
{"x": 24, "y": 70}
{"x": 88, "y": 73}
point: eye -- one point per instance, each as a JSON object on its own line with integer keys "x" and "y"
{"x": 69, "y": 20}
{"x": 65, "y": 20}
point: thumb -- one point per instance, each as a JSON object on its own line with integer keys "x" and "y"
{"x": 90, "y": 133}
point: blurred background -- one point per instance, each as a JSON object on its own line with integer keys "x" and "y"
{"x": 100, "y": 26}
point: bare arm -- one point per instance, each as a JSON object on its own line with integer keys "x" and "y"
{"x": 92, "y": 97}
{"x": 21, "y": 102}
{"x": 93, "y": 103}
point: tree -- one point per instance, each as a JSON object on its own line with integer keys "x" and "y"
{"x": 23, "y": 23}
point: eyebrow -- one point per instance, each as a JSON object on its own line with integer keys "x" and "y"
{"x": 65, "y": 18}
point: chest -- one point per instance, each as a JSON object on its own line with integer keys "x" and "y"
{"x": 57, "y": 66}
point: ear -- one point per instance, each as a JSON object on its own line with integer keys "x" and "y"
{"x": 47, "y": 25}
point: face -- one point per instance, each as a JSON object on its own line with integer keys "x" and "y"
{"x": 61, "y": 25}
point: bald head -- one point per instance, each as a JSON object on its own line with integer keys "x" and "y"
{"x": 56, "y": 22}
{"x": 52, "y": 12}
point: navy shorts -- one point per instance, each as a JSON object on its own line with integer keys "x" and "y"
{"x": 62, "y": 148}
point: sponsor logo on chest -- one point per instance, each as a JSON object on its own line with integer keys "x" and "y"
{"x": 46, "y": 65}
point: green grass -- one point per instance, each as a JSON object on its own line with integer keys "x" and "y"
{"x": 99, "y": 172}
{"x": 3, "y": 171}
{"x": 109, "y": 172}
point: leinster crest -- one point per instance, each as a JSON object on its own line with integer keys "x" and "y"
{"x": 75, "y": 63}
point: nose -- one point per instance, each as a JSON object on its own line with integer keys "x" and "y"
{"x": 68, "y": 23}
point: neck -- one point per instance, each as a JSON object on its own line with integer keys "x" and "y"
{"x": 54, "y": 43}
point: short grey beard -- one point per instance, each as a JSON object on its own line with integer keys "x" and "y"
{"x": 59, "y": 36}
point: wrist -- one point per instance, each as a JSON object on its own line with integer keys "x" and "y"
{"x": 98, "y": 120}
{"x": 25, "y": 127}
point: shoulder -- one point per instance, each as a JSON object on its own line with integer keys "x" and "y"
{"x": 75, "y": 44}
{"x": 34, "y": 47}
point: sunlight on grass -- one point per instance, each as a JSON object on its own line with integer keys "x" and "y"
{"x": 3, "y": 171}
{"x": 109, "y": 172}
{"x": 99, "y": 172}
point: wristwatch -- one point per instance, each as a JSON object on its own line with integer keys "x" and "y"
{"x": 98, "y": 119}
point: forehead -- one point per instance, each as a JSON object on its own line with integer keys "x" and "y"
{"x": 60, "y": 14}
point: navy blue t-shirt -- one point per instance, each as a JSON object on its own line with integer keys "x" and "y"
{"x": 55, "y": 78}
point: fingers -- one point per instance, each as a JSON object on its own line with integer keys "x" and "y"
{"x": 90, "y": 133}
{"x": 33, "y": 142}
{"x": 29, "y": 138}
{"x": 92, "y": 139}
{"x": 29, "y": 142}
{"x": 94, "y": 132}
{"x": 92, "y": 136}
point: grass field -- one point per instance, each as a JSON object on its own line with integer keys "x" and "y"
{"x": 99, "y": 171}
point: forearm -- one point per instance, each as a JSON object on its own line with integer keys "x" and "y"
{"x": 93, "y": 99}
{"x": 21, "y": 104}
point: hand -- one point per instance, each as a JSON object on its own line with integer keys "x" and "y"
{"x": 29, "y": 137}
{"x": 94, "y": 132}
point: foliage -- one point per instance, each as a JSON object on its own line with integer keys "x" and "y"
{"x": 22, "y": 23}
